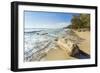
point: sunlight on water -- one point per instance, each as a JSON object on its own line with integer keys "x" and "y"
{"x": 37, "y": 39}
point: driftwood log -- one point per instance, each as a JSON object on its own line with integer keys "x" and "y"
{"x": 72, "y": 49}
{"x": 77, "y": 53}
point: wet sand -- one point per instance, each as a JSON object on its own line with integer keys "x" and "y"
{"x": 60, "y": 53}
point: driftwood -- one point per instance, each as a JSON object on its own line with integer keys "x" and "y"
{"x": 72, "y": 49}
{"x": 77, "y": 53}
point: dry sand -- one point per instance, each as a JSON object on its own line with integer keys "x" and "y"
{"x": 85, "y": 45}
{"x": 58, "y": 53}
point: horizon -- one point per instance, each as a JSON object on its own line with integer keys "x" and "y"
{"x": 36, "y": 19}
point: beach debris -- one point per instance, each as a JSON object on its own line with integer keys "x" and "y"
{"x": 38, "y": 43}
{"x": 66, "y": 45}
{"x": 72, "y": 49}
{"x": 77, "y": 53}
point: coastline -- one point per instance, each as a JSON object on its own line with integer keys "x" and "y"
{"x": 66, "y": 45}
{"x": 59, "y": 53}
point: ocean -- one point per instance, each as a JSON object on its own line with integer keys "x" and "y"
{"x": 38, "y": 41}
{"x": 35, "y": 39}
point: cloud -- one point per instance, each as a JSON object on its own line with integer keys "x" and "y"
{"x": 63, "y": 24}
{"x": 56, "y": 25}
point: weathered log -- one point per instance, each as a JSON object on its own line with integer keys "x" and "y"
{"x": 77, "y": 53}
{"x": 72, "y": 49}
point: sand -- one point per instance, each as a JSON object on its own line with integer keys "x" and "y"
{"x": 59, "y": 53}
{"x": 85, "y": 45}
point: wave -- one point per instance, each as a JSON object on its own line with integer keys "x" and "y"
{"x": 40, "y": 40}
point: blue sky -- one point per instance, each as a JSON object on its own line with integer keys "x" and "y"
{"x": 46, "y": 19}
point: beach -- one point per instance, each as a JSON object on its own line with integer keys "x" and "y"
{"x": 57, "y": 44}
{"x": 85, "y": 45}
{"x": 60, "y": 52}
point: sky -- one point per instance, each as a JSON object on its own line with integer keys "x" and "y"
{"x": 36, "y": 19}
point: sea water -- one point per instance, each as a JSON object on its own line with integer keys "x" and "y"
{"x": 40, "y": 40}
{"x": 36, "y": 38}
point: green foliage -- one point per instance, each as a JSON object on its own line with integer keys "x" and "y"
{"x": 85, "y": 19}
{"x": 80, "y": 21}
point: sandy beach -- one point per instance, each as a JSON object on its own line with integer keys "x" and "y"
{"x": 57, "y": 54}
{"x": 61, "y": 53}
{"x": 85, "y": 45}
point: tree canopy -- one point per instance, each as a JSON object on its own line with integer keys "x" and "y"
{"x": 80, "y": 21}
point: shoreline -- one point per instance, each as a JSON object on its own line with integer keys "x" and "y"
{"x": 59, "y": 53}
{"x": 70, "y": 45}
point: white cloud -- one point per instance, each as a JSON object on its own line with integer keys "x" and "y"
{"x": 63, "y": 24}
{"x": 57, "y": 25}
